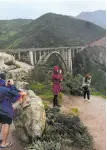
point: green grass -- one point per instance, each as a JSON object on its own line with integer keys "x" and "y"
{"x": 75, "y": 111}
{"x": 42, "y": 90}
{"x": 45, "y": 92}
{"x": 47, "y": 95}
{"x": 98, "y": 94}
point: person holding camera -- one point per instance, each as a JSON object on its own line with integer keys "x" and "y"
{"x": 86, "y": 86}
{"x": 56, "y": 87}
{"x": 7, "y": 98}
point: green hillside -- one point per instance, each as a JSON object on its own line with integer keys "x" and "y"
{"x": 55, "y": 30}
{"x": 9, "y": 28}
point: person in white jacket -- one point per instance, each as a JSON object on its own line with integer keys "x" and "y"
{"x": 86, "y": 86}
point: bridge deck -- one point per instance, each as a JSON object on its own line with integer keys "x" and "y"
{"x": 40, "y": 49}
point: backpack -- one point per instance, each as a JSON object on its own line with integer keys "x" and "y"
{"x": 6, "y": 93}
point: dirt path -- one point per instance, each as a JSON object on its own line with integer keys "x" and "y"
{"x": 17, "y": 145}
{"x": 92, "y": 114}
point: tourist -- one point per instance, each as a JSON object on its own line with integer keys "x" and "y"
{"x": 86, "y": 86}
{"x": 56, "y": 87}
{"x": 6, "y": 110}
{"x": 7, "y": 98}
{"x": 24, "y": 98}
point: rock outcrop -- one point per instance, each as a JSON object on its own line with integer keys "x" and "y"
{"x": 18, "y": 71}
{"x": 18, "y": 74}
{"x": 21, "y": 84}
{"x": 30, "y": 122}
{"x": 8, "y": 59}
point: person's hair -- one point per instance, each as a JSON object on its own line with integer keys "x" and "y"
{"x": 3, "y": 76}
{"x": 86, "y": 77}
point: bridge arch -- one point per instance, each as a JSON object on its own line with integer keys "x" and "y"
{"x": 44, "y": 59}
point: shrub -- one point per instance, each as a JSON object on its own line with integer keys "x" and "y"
{"x": 75, "y": 111}
{"x": 63, "y": 132}
{"x": 74, "y": 84}
{"x": 40, "y": 73}
{"x": 44, "y": 146}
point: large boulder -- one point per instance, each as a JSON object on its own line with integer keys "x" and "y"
{"x": 21, "y": 85}
{"x": 18, "y": 74}
{"x": 3, "y": 67}
{"x": 30, "y": 122}
{"x": 8, "y": 59}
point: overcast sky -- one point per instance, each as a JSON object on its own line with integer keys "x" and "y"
{"x": 10, "y": 9}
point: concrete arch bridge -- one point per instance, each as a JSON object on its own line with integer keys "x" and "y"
{"x": 37, "y": 56}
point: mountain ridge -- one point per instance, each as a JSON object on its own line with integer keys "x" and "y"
{"x": 98, "y": 17}
{"x": 55, "y": 30}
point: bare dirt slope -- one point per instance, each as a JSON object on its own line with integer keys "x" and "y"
{"x": 100, "y": 42}
{"x": 92, "y": 114}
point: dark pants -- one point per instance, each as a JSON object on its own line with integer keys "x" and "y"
{"x": 55, "y": 100}
{"x": 5, "y": 119}
{"x": 87, "y": 92}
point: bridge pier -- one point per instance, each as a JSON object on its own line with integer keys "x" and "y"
{"x": 35, "y": 59}
{"x": 31, "y": 58}
{"x": 44, "y": 53}
{"x": 40, "y": 55}
{"x": 62, "y": 53}
{"x": 72, "y": 53}
{"x": 48, "y": 52}
{"x": 64, "y": 56}
{"x": 77, "y": 51}
{"x": 69, "y": 60}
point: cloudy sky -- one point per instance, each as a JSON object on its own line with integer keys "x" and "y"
{"x": 10, "y": 9}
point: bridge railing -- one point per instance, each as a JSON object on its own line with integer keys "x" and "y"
{"x": 40, "y": 49}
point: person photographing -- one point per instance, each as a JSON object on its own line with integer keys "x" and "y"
{"x": 8, "y": 96}
{"x": 56, "y": 86}
{"x": 86, "y": 86}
